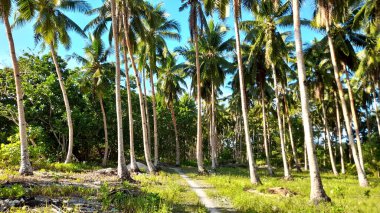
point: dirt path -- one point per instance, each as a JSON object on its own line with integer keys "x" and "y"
{"x": 212, "y": 205}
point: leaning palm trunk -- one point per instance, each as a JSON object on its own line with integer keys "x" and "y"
{"x": 280, "y": 126}
{"x": 317, "y": 193}
{"x": 201, "y": 169}
{"x": 294, "y": 151}
{"x": 155, "y": 134}
{"x": 174, "y": 120}
{"x": 133, "y": 164}
{"x": 122, "y": 170}
{"x": 149, "y": 163}
{"x": 266, "y": 148}
{"x": 25, "y": 166}
{"x": 327, "y": 134}
{"x": 105, "y": 157}
{"x": 361, "y": 175}
{"x": 354, "y": 117}
{"x": 339, "y": 130}
{"x": 69, "y": 155}
{"x": 212, "y": 130}
{"x": 251, "y": 162}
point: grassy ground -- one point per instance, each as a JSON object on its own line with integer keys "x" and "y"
{"x": 344, "y": 191}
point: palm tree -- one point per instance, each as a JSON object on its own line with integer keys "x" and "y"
{"x": 172, "y": 82}
{"x": 196, "y": 15}
{"x": 158, "y": 27}
{"x": 326, "y": 17}
{"x": 52, "y": 26}
{"x": 95, "y": 61}
{"x": 25, "y": 166}
{"x": 317, "y": 193}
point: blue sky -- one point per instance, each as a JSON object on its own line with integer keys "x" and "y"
{"x": 23, "y": 36}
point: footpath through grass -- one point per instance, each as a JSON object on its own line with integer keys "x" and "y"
{"x": 344, "y": 191}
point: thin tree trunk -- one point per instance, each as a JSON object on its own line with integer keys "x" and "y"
{"x": 339, "y": 130}
{"x": 266, "y": 148}
{"x": 213, "y": 141}
{"x": 305, "y": 156}
{"x": 149, "y": 163}
{"x": 177, "y": 148}
{"x": 376, "y": 113}
{"x": 327, "y": 135}
{"x": 155, "y": 133}
{"x": 298, "y": 167}
{"x": 122, "y": 170}
{"x": 146, "y": 107}
{"x": 67, "y": 105}
{"x": 133, "y": 163}
{"x": 361, "y": 175}
{"x": 105, "y": 157}
{"x": 317, "y": 193}
{"x": 354, "y": 117}
{"x": 251, "y": 162}
{"x": 201, "y": 169}
{"x": 287, "y": 174}
{"x": 25, "y": 166}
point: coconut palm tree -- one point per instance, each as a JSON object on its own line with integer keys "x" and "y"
{"x": 25, "y": 166}
{"x": 196, "y": 15}
{"x": 172, "y": 83}
{"x": 157, "y": 29}
{"x": 328, "y": 12}
{"x": 317, "y": 193}
{"x": 51, "y": 27}
{"x": 94, "y": 62}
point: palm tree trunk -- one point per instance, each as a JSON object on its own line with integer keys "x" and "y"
{"x": 146, "y": 107}
{"x": 25, "y": 166}
{"x": 201, "y": 169}
{"x": 67, "y": 105}
{"x": 354, "y": 117}
{"x": 305, "y": 156}
{"x": 213, "y": 141}
{"x": 149, "y": 163}
{"x": 361, "y": 175}
{"x": 327, "y": 135}
{"x": 105, "y": 157}
{"x": 294, "y": 151}
{"x": 266, "y": 148}
{"x": 174, "y": 120}
{"x": 133, "y": 163}
{"x": 317, "y": 193}
{"x": 122, "y": 170}
{"x": 281, "y": 131}
{"x": 339, "y": 130}
{"x": 251, "y": 162}
{"x": 155, "y": 133}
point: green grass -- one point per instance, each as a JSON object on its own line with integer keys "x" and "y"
{"x": 344, "y": 191}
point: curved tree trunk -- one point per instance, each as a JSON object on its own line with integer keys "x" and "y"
{"x": 149, "y": 163}
{"x": 174, "y": 120}
{"x": 201, "y": 169}
{"x": 354, "y": 117}
{"x": 266, "y": 148}
{"x": 327, "y": 134}
{"x": 339, "y": 130}
{"x": 25, "y": 166}
{"x": 155, "y": 133}
{"x": 281, "y": 131}
{"x": 133, "y": 164}
{"x": 67, "y": 105}
{"x": 361, "y": 175}
{"x": 294, "y": 150}
{"x": 122, "y": 170}
{"x": 105, "y": 157}
{"x": 251, "y": 162}
{"x": 317, "y": 193}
